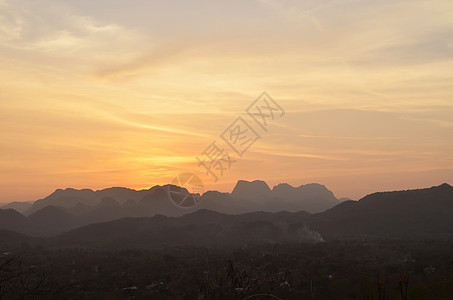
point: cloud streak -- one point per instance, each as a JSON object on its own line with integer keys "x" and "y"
{"x": 96, "y": 94}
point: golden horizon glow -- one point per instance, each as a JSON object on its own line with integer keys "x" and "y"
{"x": 98, "y": 94}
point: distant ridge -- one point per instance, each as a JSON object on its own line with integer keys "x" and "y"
{"x": 311, "y": 197}
{"x": 412, "y": 214}
{"x": 250, "y": 189}
{"x": 378, "y": 215}
{"x": 421, "y": 212}
{"x": 69, "y": 208}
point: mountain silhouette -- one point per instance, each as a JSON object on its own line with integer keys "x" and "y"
{"x": 70, "y": 197}
{"x": 71, "y": 208}
{"x": 311, "y": 197}
{"x": 18, "y": 206}
{"x": 423, "y": 213}
{"x": 250, "y": 189}
{"x": 108, "y": 201}
{"x": 13, "y": 220}
{"x": 412, "y": 213}
{"x": 203, "y": 227}
{"x": 51, "y": 220}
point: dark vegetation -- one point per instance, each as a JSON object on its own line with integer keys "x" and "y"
{"x": 379, "y": 269}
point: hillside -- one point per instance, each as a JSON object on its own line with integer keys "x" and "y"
{"x": 71, "y": 208}
{"x": 401, "y": 214}
{"x": 413, "y": 213}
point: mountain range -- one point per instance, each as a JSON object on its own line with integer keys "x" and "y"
{"x": 70, "y": 208}
{"x": 422, "y": 213}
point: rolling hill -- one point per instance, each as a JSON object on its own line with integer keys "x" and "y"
{"x": 422, "y": 213}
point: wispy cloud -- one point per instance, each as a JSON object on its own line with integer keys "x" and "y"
{"x": 96, "y": 93}
{"x": 51, "y": 29}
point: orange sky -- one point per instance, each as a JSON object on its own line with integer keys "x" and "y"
{"x": 95, "y": 94}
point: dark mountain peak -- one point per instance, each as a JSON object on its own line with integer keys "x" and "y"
{"x": 210, "y": 194}
{"x": 81, "y": 206}
{"x": 283, "y": 187}
{"x": 49, "y": 211}
{"x": 159, "y": 187}
{"x": 82, "y": 190}
{"x": 9, "y": 212}
{"x": 57, "y": 193}
{"x": 310, "y": 187}
{"x": 108, "y": 201}
{"x": 343, "y": 207}
{"x": 114, "y": 189}
{"x": 416, "y": 212}
{"x": 215, "y": 197}
{"x": 81, "y": 209}
{"x": 118, "y": 191}
{"x": 166, "y": 187}
{"x": 318, "y": 190}
{"x": 250, "y": 189}
{"x": 73, "y": 190}
{"x": 120, "y": 194}
{"x": 444, "y": 186}
{"x": 158, "y": 195}
{"x": 52, "y": 219}
{"x": 69, "y": 192}
{"x": 18, "y": 206}
{"x": 313, "y": 186}
{"x": 129, "y": 203}
{"x": 13, "y": 220}
{"x": 311, "y": 197}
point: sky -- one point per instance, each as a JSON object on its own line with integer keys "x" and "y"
{"x": 95, "y": 94}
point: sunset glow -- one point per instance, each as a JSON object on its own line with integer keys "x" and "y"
{"x": 95, "y": 94}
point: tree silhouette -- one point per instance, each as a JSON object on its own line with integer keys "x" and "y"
{"x": 20, "y": 282}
